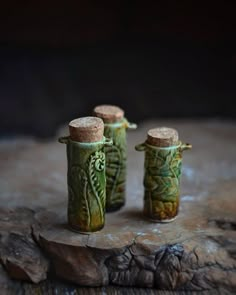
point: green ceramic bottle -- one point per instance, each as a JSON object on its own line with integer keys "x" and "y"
{"x": 115, "y": 126}
{"x": 86, "y": 176}
{"x": 162, "y": 175}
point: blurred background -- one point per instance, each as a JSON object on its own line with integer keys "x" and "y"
{"x": 155, "y": 59}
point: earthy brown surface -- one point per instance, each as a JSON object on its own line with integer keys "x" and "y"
{"x": 86, "y": 129}
{"x": 19, "y": 254}
{"x": 162, "y": 136}
{"x": 196, "y": 252}
{"x": 109, "y": 113}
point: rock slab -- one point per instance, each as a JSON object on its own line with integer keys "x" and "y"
{"x": 196, "y": 252}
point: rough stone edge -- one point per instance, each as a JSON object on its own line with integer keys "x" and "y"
{"x": 18, "y": 263}
{"x": 166, "y": 267}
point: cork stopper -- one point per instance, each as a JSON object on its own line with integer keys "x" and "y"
{"x": 109, "y": 113}
{"x": 86, "y": 129}
{"x": 162, "y": 137}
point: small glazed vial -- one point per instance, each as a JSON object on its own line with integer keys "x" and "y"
{"x": 86, "y": 174}
{"x": 163, "y": 160}
{"x": 115, "y": 126}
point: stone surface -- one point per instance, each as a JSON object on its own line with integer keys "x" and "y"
{"x": 8, "y": 286}
{"x": 195, "y": 252}
{"x": 19, "y": 254}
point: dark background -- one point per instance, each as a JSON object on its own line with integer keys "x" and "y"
{"x": 153, "y": 58}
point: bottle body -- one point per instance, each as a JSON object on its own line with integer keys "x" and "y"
{"x": 86, "y": 185}
{"x": 162, "y": 181}
{"x": 116, "y": 156}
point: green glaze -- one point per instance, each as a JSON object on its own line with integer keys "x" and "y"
{"x": 86, "y": 184}
{"x": 161, "y": 180}
{"x": 116, "y": 163}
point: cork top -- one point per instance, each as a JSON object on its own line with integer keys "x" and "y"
{"x": 86, "y": 129}
{"x": 162, "y": 137}
{"x": 109, "y": 113}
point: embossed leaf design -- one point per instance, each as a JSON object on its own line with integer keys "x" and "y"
{"x": 96, "y": 165}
